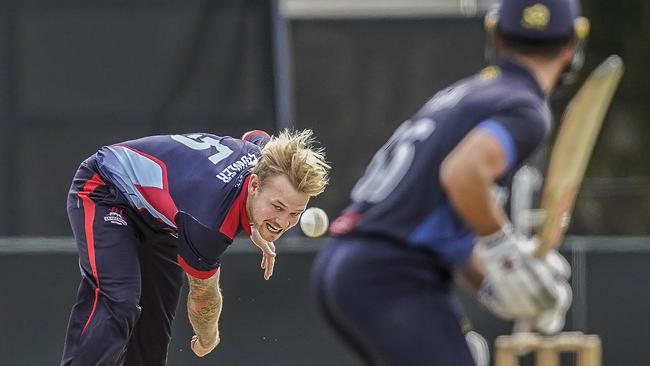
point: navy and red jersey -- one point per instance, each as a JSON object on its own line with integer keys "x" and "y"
{"x": 400, "y": 197}
{"x": 191, "y": 185}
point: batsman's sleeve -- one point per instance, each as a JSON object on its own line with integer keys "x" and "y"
{"x": 199, "y": 247}
{"x": 520, "y": 129}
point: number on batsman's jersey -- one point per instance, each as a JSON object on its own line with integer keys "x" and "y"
{"x": 400, "y": 197}
{"x": 192, "y": 186}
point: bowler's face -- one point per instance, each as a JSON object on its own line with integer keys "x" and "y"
{"x": 274, "y": 207}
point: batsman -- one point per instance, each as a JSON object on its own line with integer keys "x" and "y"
{"x": 425, "y": 208}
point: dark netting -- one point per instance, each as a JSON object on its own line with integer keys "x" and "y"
{"x": 357, "y": 80}
{"x": 76, "y": 77}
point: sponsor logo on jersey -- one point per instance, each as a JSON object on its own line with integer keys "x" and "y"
{"x": 114, "y": 216}
{"x": 231, "y": 171}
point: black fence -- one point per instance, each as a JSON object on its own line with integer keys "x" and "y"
{"x": 77, "y": 75}
{"x": 276, "y": 322}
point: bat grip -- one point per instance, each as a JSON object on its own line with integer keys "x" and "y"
{"x": 522, "y": 326}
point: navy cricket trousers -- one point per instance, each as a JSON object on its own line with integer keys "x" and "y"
{"x": 392, "y": 305}
{"x": 131, "y": 282}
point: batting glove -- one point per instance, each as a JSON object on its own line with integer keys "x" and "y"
{"x": 517, "y": 285}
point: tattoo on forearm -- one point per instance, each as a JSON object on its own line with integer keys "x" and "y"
{"x": 204, "y": 306}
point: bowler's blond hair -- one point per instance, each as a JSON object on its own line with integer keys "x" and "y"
{"x": 291, "y": 153}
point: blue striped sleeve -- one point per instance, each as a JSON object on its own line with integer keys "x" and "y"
{"x": 497, "y": 130}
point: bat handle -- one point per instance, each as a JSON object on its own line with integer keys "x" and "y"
{"x": 522, "y": 326}
{"x": 542, "y": 250}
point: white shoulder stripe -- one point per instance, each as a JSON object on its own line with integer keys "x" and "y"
{"x": 131, "y": 169}
{"x": 140, "y": 169}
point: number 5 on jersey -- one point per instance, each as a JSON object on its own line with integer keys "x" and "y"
{"x": 392, "y": 161}
{"x": 197, "y": 141}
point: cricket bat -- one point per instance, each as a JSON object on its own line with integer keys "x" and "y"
{"x": 570, "y": 155}
{"x": 572, "y": 150}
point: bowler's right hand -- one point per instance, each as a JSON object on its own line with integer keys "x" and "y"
{"x": 518, "y": 285}
{"x": 200, "y": 349}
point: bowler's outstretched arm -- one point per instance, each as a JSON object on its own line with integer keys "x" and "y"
{"x": 203, "y": 309}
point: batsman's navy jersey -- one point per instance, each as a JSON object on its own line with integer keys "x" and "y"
{"x": 192, "y": 186}
{"x": 400, "y": 197}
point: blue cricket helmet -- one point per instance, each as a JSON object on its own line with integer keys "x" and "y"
{"x": 539, "y": 20}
